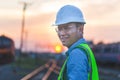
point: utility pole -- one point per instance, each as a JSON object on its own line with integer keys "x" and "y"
{"x": 25, "y": 4}
{"x": 23, "y": 25}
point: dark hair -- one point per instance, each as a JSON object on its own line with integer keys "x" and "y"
{"x": 78, "y": 24}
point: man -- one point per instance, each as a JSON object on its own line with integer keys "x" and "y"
{"x": 80, "y": 63}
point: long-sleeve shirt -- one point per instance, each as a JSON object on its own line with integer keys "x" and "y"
{"x": 77, "y": 64}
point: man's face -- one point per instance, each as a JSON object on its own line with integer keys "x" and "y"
{"x": 69, "y": 33}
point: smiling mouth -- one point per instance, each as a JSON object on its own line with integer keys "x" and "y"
{"x": 64, "y": 38}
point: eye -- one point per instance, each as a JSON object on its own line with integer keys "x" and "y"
{"x": 66, "y": 28}
{"x": 59, "y": 29}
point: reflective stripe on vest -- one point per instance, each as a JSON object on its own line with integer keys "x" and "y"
{"x": 93, "y": 74}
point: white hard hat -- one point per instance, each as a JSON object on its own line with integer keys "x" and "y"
{"x": 69, "y": 13}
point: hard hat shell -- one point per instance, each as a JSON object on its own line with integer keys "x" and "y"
{"x": 69, "y": 13}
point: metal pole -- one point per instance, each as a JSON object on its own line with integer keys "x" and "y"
{"x": 22, "y": 29}
{"x": 22, "y": 32}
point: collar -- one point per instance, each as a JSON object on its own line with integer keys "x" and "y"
{"x": 82, "y": 40}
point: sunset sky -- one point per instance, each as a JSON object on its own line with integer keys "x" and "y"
{"x": 102, "y": 17}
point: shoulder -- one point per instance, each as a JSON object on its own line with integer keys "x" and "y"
{"x": 77, "y": 52}
{"x": 77, "y": 56}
